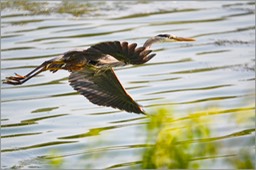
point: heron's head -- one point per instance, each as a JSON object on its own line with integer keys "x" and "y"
{"x": 172, "y": 38}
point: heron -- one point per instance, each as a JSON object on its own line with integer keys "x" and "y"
{"x": 92, "y": 74}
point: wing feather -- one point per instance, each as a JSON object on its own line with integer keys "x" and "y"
{"x": 125, "y": 48}
{"x": 102, "y": 87}
{"x": 124, "y": 52}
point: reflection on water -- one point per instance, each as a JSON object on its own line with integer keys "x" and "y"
{"x": 209, "y": 85}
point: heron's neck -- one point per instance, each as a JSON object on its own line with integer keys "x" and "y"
{"x": 151, "y": 41}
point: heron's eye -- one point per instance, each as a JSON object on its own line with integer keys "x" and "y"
{"x": 172, "y": 37}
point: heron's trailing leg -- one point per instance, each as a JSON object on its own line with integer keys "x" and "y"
{"x": 19, "y": 79}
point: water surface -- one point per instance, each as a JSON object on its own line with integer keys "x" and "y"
{"x": 45, "y": 115}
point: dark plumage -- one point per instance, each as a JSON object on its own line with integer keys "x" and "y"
{"x": 92, "y": 74}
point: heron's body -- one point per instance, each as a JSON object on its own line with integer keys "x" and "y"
{"x": 92, "y": 74}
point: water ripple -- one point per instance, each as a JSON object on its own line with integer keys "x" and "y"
{"x": 215, "y": 70}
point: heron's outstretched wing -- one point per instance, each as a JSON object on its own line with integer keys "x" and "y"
{"x": 127, "y": 53}
{"x": 101, "y": 87}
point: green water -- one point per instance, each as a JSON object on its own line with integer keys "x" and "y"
{"x": 45, "y": 118}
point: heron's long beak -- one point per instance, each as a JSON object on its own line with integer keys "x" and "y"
{"x": 183, "y": 39}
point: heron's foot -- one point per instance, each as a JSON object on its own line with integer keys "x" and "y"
{"x": 20, "y": 76}
{"x": 15, "y": 80}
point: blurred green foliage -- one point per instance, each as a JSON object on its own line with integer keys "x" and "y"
{"x": 173, "y": 144}
{"x": 243, "y": 160}
{"x": 180, "y": 143}
{"x": 55, "y": 162}
{"x": 75, "y": 8}
{"x": 33, "y": 7}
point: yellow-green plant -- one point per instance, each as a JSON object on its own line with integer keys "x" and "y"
{"x": 172, "y": 142}
{"x": 182, "y": 143}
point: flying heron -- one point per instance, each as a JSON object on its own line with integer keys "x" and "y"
{"x": 92, "y": 73}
